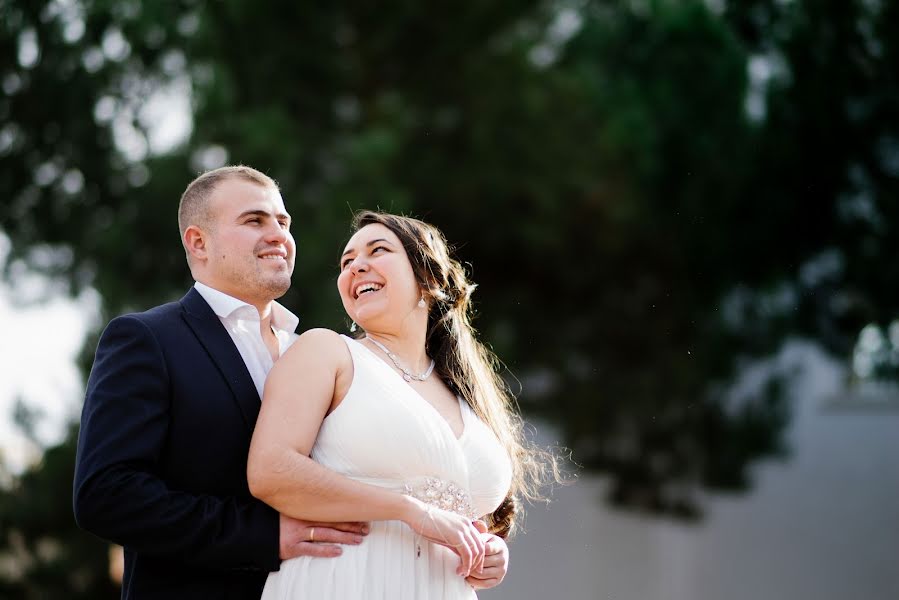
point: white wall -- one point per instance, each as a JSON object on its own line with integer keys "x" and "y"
{"x": 821, "y": 525}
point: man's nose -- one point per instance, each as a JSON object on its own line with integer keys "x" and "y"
{"x": 276, "y": 233}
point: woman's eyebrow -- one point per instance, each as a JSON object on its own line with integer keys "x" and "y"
{"x": 368, "y": 244}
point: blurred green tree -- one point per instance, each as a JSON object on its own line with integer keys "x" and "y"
{"x": 647, "y": 191}
{"x": 42, "y": 554}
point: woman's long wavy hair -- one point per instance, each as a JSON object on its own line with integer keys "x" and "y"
{"x": 468, "y": 367}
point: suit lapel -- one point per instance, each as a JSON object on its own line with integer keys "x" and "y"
{"x": 213, "y": 336}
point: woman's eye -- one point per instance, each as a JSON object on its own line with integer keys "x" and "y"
{"x": 376, "y": 248}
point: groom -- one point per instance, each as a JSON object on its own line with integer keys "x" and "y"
{"x": 172, "y": 400}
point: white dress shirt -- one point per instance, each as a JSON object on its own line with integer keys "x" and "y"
{"x": 241, "y": 320}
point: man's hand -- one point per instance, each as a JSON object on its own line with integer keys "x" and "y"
{"x": 496, "y": 561}
{"x": 305, "y": 538}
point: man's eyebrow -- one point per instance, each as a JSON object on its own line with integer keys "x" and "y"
{"x": 263, "y": 213}
{"x": 368, "y": 244}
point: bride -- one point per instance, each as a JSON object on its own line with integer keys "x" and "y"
{"x": 408, "y": 426}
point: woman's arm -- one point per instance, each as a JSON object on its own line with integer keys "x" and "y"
{"x": 299, "y": 391}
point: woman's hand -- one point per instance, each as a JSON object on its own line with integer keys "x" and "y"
{"x": 451, "y": 530}
{"x": 496, "y": 561}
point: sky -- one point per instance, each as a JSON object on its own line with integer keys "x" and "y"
{"x": 42, "y": 335}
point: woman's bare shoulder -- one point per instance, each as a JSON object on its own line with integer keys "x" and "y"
{"x": 321, "y": 343}
{"x": 320, "y": 335}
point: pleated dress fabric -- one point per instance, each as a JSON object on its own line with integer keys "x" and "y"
{"x": 384, "y": 433}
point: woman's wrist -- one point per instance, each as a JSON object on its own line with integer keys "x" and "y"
{"x": 412, "y": 511}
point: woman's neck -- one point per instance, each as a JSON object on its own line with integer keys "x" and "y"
{"x": 408, "y": 346}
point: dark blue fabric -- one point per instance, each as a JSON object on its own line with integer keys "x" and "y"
{"x": 162, "y": 454}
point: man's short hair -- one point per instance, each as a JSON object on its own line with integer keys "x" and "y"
{"x": 194, "y": 206}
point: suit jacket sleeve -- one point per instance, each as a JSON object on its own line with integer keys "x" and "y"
{"x": 119, "y": 494}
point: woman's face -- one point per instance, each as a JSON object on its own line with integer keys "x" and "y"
{"x": 376, "y": 283}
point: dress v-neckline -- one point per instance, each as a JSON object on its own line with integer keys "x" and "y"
{"x": 420, "y": 397}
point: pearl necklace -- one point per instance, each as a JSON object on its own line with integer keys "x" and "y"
{"x": 407, "y": 374}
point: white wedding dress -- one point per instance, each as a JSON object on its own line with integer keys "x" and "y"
{"x": 384, "y": 433}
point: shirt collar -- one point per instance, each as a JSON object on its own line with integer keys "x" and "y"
{"x": 225, "y": 306}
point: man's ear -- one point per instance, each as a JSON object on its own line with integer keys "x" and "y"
{"x": 195, "y": 243}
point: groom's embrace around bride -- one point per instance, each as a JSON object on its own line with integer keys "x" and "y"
{"x": 172, "y": 401}
{"x": 171, "y": 404}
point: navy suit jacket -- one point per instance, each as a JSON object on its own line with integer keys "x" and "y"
{"x": 162, "y": 457}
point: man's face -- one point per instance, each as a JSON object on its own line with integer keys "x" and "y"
{"x": 250, "y": 248}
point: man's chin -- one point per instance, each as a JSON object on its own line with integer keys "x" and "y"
{"x": 278, "y": 287}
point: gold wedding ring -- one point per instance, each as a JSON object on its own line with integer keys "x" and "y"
{"x": 312, "y": 534}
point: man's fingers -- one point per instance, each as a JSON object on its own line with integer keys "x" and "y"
{"x": 336, "y": 536}
{"x": 315, "y": 549}
{"x": 360, "y": 527}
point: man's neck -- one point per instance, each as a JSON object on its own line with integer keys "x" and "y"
{"x": 264, "y": 307}
{"x": 268, "y": 336}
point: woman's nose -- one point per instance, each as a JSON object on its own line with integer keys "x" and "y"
{"x": 359, "y": 265}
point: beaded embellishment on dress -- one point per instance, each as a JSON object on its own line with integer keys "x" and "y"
{"x": 445, "y": 495}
